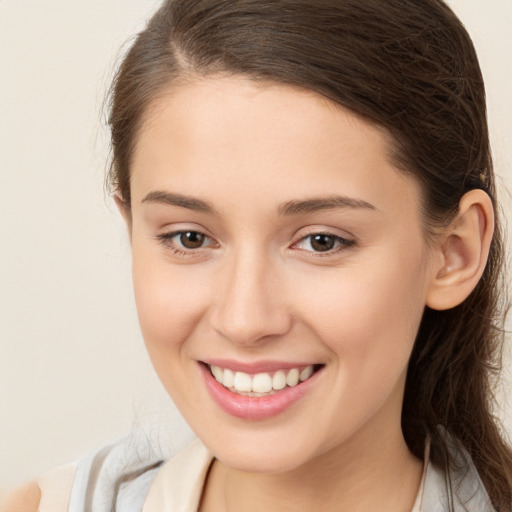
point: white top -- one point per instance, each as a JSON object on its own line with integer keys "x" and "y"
{"x": 176, "y": 485}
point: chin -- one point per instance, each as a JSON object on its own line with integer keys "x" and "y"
{"x": 260, "y": 452}
{"x": 259, "y": 461}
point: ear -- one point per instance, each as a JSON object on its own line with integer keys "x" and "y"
{"x": 461, "y": 252}
{"x": 124, "y": 209}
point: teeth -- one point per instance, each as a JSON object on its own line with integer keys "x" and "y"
{"x": 217, "y": 373}
{"x": 243, "y": 382}
{"x": 228, "y": 379}
{"x": 292, "y": 379}
{"x": 261, "y": 384}
{"x": 306, "y": 373}
{"x": 279, "y": 380}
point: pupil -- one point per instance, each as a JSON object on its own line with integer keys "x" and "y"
{"x": 192, "y": 239}
{"x": 322, "y": 242}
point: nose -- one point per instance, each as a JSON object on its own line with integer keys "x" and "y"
{"x": 250, "y": 306}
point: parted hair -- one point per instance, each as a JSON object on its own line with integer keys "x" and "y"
{"x": 410, "y": 67}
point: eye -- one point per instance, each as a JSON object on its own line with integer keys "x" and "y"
{"x": 191, "y": 239}
{"x": 183, "y": 242}
{"x": 323, "y": 243}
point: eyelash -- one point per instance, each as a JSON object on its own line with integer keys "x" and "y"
{"x": 166, "y": 239}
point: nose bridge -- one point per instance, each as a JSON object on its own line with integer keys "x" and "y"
{"x": 250, "y": 304}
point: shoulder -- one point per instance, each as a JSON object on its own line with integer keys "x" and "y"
{"x": 117, "y": 476}
{"x": 25, "y": 499}
{"x": 101, "y": 479}
{"x": 456, "y": 487}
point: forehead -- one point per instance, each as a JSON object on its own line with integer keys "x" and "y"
{"x": 269, "y": 140}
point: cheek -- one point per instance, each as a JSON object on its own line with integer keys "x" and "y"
{"x": 369, "y": 314}
{"x": 368, "y": 320}
{"x": 170, "y": 301}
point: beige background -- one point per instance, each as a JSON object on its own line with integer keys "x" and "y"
{"x": 73, "y": 371}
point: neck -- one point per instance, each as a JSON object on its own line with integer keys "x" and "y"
{"x": 368, "y": 472}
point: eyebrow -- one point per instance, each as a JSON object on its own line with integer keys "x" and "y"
{"x": 172, "y": 199}
{"x": 293, "y": 207}
{"x": 315, "y": 204}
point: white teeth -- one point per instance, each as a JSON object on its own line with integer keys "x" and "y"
{"x": 261, "y": 384}
{"x": 243, "y": 382}
{"x": 229, "y": 378}
{"x": 279, "y": 380}
{"x": 306, "y": 373}
{"x": 292, "y": 379}
{"x": 218, "y": 374}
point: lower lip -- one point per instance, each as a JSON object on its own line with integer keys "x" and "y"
{"x": 255, "y": 408}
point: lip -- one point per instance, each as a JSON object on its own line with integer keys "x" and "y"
{"x": 255, "y": 408}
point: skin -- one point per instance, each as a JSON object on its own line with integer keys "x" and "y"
{"x": 25, "y": 499}
{"x": 257, "y": 290}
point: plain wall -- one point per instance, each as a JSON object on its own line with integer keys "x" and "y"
{"x": 74, "y": 374}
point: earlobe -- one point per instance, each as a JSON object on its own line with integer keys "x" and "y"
{"x": 462, "y": 252}
{"x": 124, "y": 210}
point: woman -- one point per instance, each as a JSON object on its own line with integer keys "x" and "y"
{"x": 309, "y": 194}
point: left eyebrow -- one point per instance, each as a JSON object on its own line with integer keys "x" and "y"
{"x": 315, "y": 204}
{"x": 191, "y": 203}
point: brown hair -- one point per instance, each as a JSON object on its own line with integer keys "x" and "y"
{"x": 406, "y": 65}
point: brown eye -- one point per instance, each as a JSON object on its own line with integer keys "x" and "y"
{"x": 186, "y": 243}
{"x": 322, "y": 243}
{"x": 192, "y": 239}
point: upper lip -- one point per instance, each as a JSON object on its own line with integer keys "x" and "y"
{"x": 254, "y": 367}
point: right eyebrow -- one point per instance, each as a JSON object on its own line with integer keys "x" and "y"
{"x": 169, "y": 198}
{"x": 315, "y": 204}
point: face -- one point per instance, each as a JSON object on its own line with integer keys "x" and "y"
{"x": 275, "y": 246}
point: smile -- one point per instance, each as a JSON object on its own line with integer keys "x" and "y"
{"x": 256, "y": 394}
{"x": 260, "y": 384}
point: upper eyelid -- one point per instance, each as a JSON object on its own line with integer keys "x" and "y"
{"x": 169, "y": 231}
{"x": 325, "y": 233}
